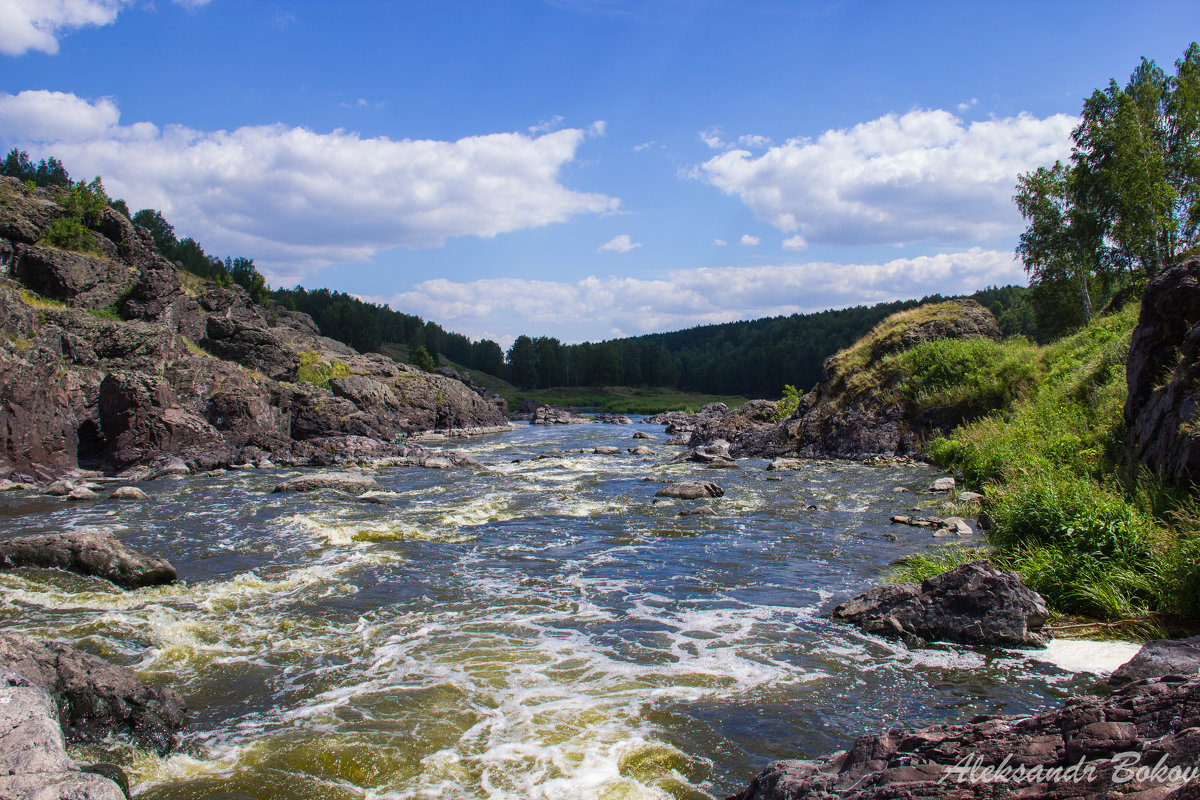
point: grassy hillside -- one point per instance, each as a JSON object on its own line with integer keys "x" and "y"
{"x": 1096, "y": 542}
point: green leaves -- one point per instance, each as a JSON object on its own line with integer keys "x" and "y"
{"x": 1129, "y": 202}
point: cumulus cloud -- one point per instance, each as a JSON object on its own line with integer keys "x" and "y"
{"x": 720, "y": 242}
{"x": 682, "y": 298}
{"x": 38, "y": 24}
{"x": 749, "y": 241}
{"x": 924, "y": 175}
{"x": 795, "y": 243}
{"x": 296, "y": 199}
{"x": 620, "y": 244}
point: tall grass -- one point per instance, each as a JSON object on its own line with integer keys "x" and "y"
{"x": 1092, "y": 541}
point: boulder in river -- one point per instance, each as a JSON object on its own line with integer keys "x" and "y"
{"x": 94, "y": 553}
{"x": 344, "y": 481}
{"x": 33, "y": 755}
{"x": 1160, "y": 657}
{"x": 95, "y": 698}
{"x": 973, "y": 603}
{"x": 1092, "y": 747}
{"x": 690, "y": 490}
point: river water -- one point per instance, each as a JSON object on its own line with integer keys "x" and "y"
{"x": 531, "y": 629}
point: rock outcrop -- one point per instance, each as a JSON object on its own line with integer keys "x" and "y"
{"x": 1160, "y": 657}
{"x": 91, "y": 553}
{"x": 95, "y": 698}
{"x": 856, "y": 411}
{"x": 553, "y": 415}
{"x": 33, "y": 756}
{"x": 973, "y": 603}
{"x": 109, "y": 360}
{"x": 1143, "y": 741}
{"x": 1162, "y": 410}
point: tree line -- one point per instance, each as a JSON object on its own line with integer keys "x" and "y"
{"x": 755, "y": 357}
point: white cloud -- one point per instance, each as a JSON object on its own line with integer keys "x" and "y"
{"x": 712, "y": 138}
{"x": 619, "y": 244}
{"x": 795, "y": 243}
{"x": 924, "y": 175}
{"x": 547, "y": 125}
{"x": 749, "y": 241}
{"x": 963, "y": 106}
{"x": 591, "y": 307}
{"x": 38, "y": 24}
{"x": 720, "y": 242}
{"x": 295, "y": 199}
{"x": 754, "y": 141}
{"x": 637, "y": 148}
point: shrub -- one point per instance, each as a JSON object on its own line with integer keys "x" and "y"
{"x": 314, "y": 370}
{"x": 787, "y": 404}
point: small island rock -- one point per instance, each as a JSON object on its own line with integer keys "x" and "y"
{"x": 93, "y": 553}
{"x": 973, "y": 603}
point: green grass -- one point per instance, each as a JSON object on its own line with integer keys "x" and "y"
{"x": 1094, "y": 543}
{"x": 313, "y": 369}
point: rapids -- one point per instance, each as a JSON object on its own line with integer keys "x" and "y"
{"x": 531, "y": 629}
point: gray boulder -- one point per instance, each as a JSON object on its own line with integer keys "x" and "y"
{"x": 33, "y": 758}
{"x": 973, "y": 603}
{"x": 95, "y": 698}
{"x": 690, "y": 490}
{"x": 92, "y": 553}
{"x": 1160, "y": 657}
{"x": 344, "y": 481}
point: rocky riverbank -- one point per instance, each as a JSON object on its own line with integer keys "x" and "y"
{"x": 114, "y": 359}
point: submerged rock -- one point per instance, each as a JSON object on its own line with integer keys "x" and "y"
{"x": 343, "y": 481}
{"x": 92, "y": 553}
{"x": 690, "y": 490}
{"x": 95, "y": 698}
{"x": 973, "y": 603}
{"x": 1160, "y": 657}
{"x": 1140, "y": 726}
{"x": 33, "y": 756}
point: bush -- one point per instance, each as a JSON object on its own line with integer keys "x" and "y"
{"x": 83, "y": 205}
{"x": 317, "y": 372}
{"x": 419, "y": 357}
{"x": 787, "y": 404}
{"x": 1080, "y": 544}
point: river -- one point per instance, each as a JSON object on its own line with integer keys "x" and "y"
{"x": 531, "y": 629}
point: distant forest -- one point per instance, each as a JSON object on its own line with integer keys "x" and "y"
{"x": 755, "y": 358}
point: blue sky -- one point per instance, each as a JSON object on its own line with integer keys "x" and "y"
{"x": 577, "y": 168}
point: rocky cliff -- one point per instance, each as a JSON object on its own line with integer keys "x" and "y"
{"x": 114, "y": 358}
{"x": 1162, "y": 411}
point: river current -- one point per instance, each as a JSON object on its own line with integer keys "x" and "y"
{"x": 530, "y": 629}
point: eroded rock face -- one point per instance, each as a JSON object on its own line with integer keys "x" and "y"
{"x": 1149, "y": 721}
{"x": 91, "y": 553}
{"x": 213, "y": 379}
{"x": 93, "y": 697}
{"x": 1162, "y": 411}
{"x": 33, "y": 756}
{"x": 971, "y": 604}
